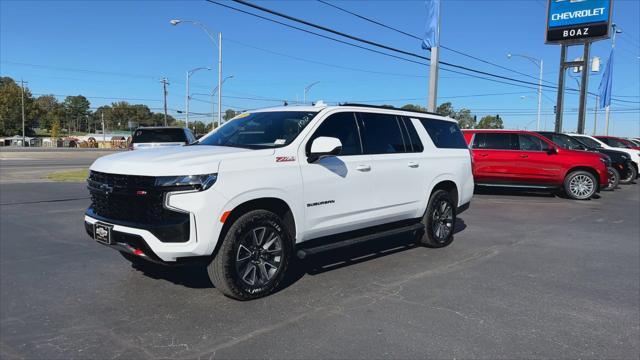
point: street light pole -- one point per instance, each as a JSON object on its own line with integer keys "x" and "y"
{"x": 540, "y": 64}
{"x": 217, "y": 42}
{"x": 306, "y": 90}
{"x": 188, "y": 94}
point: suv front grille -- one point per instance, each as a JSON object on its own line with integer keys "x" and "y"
{"x": 129, "y": 198}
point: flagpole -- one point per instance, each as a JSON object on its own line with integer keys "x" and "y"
{"x": 606, "y": 109}
{"x": 433, "y": 74}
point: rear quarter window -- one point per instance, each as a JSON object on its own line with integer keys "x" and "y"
{"x": 444, "y": 134}
{"x": 158, "y": 136}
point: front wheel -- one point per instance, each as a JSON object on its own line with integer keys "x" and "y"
{"x": 580, "y": 185}
{"x": 614, "y": 179}
{"x": 630, "y": 175}
{"x": 253, "y": 257}
{"x": 439, "y": 221}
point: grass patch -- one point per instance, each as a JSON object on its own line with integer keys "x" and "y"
{"x": 72, "y": 175}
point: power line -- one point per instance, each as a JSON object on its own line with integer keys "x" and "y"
{"x": 316, "y": 34}
{"x": 273, "y": 12}
{"x": 419, "y": 38}
{"x": 384, "y": 46}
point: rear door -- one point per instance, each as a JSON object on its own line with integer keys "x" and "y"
{"x": 396, "y": 168}
{"x": 494, "y": 157}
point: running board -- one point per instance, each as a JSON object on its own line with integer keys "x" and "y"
{"x": 518, "y": 186}
{"x": 303, "y": 253}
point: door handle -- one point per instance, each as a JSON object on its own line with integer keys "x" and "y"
{"x": 363, "y": 168}
{"x": 524, "y": 156}
{"x": 483, "y": 155}
{"x": 413, "y": 164}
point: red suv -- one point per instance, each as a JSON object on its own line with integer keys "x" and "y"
{"x": 526, "y": 159}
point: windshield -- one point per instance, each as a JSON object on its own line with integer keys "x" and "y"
{"x": 614, "y": 142}
{"x": 158, "y": 135}
{"x": 261, "y": 130}
{"x": 565, "y": 141}
{"x": 589, "y": 142}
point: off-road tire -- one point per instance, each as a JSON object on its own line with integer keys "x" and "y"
{"x": 580, "y": 185}
{"x": 435, "y": 217}
{"x": 225, "y": 268}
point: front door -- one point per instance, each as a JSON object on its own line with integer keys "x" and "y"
{"x": 337, "y": 189}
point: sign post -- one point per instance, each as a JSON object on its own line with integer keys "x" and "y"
{"x": 575, "y": 22}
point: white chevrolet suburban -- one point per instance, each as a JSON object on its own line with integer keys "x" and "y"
{"x": 282, "y": 182}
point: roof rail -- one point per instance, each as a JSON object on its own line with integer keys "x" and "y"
{"x": 388, "y": 107}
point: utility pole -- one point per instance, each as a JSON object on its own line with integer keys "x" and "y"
{"x": 103, "y": 135}
{"x": 164, "y": 82}
{"x": 23, "y": 136}
{"x": 433, "y": 74}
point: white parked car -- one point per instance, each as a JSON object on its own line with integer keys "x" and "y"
{"x": 597, "y": 143}
{"x": 275, "y": 183}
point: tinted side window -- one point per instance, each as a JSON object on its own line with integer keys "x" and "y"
{"x": 342, "y": 126}
{"x": 444, "y": 134}
{"x": 530, "y": 143}
{"x": 381, "y": 134}
{"x": 415, "y": 145}
{"x": 493, "y": 141}
{"x": 159, "y": 135}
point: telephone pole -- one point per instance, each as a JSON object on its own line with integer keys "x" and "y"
{"x": 165, "y": 82}
{"x": 22, "y": 82}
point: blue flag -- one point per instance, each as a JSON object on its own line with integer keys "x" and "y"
{"x": 604, "y": 89}
{"x": 431, "y": 36}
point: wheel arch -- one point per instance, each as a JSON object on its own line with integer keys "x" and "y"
{"x": 274, "y": 204}
{"x": 449, "y": 186}
{"x": 588, "y": 169}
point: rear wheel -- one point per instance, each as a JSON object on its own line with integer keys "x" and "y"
{"x": 630, "y": 175}
{"x": 439, "y": 221}
{"x": 614, "y": 179}
{"x": 580, "y": 185}
{"x": 253, "y": 257}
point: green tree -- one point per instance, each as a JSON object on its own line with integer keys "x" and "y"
{"x": 446, "y": 109}
{"x": 76, "y": 112}
{"x": 55, "y": 129}
{"x": 490, "y": 122}
{"x": 48, "y": 109}
{"x": 412, "y": 107}
{"x": 229, "y": 114}
{"x": 466, "y": 120}
{"x": 11, "y": 108}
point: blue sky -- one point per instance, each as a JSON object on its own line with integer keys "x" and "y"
{"x": 108, "y": 50}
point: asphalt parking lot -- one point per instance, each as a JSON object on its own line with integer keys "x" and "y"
{"x": 528, "y": 275}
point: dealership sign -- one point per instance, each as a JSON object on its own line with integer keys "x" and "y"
{"x": 578, "y": 20}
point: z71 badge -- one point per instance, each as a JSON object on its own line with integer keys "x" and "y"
{"x": 285, "y": 158}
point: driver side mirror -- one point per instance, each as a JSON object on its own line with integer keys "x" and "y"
{"x": 324, "y": 146}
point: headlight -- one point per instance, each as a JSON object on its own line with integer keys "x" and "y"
{"x": 199, "y": 182}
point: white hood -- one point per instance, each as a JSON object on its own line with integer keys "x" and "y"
{"x": 173, "y": 161}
